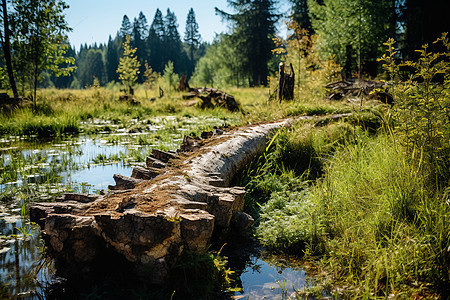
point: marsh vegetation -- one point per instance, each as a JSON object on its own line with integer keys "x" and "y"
{"x": 352, "y": 208}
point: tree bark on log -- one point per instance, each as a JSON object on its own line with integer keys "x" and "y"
{"x": 150, "y": 223}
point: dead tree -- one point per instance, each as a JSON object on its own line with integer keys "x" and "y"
{"x": 286, "y": 84}
{"x": 184, "y": 85}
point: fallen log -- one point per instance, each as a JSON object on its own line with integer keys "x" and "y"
{"x": 149, "y": 223}
{"x": 152, "y": 162}
{"x": 124, "y": 182}
{"x": 213, "y": 98}
{"x": 359, "y": 88}
{"x": 145, "y": 173}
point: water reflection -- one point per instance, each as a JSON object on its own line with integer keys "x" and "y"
{"x": 40, "y": 174}
{"x": 20, "y": 256}
{"x": 263, "y": 280}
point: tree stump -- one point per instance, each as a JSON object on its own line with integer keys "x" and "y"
{"x": 286, "y": 83}
{"x": 184, "y": 85}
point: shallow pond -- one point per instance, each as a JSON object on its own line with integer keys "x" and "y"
{"x": 32, "y": 172}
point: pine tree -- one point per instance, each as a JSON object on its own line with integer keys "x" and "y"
{"x": 112, "y": 58}
{"x": 253, "y": 29}
{"x": 126, "y": 28}
{"x": 192, "y": 39}
{"x": 172, "y": 41}
{"x": 155, "y": 42}
{"x": 140, "y": 26}
{"x": 139, "y": 34}
{"x": 128, "y": 69}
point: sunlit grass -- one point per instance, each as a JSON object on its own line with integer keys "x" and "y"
{"x": 61, "y": 112}
{"x": 371, "y": 217}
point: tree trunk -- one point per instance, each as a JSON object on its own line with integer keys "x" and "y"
{"x": 6, "y": 45}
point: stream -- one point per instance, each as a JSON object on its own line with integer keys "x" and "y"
{"x": 31, "y": 171}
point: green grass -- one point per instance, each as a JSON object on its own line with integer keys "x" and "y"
{"x": 62, "y": 112}
{"x": 25, "y": 123}
{"x": 382, "y": 228}
{"x": 369, "y": 214}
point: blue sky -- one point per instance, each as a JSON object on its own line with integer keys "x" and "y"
{"x": 94, "y": 20}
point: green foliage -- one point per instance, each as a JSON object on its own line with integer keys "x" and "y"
{"x": 91, "y": 67}
{"x": 204, "y": 73}
{"x": 286, "y": 219}
{"x": 293, "y": 156}
{"x": 170, "y": 78}
{"x": 376, "y": 216}
{"x": 150, "y": 76}
{"x": 422, "y": 106}
{"x": 203, "y": 275}
{"x": 351, "y": 30}
{"x": 253, "y": 28}
{"x": 221, "y": 66}
{"x": 29, "y": 123}
{"x": 300, "y": 13}
{"x": 215, "y": 68}
{"x": 312, "y": 72}
{"x": 128, "y": 66}
{"x": 370, "y": 216}
{"x": 38, "y": 41}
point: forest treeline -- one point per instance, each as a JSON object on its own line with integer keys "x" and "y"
{"x": 156, "y": 44}
{"x": 351, "y": 32}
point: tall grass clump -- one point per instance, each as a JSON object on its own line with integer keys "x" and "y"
{"x": 384, "y": 231}
{"x": 370, "y": 216}
{"x": 277, "y": 181}
{"x": 25, "y": 122}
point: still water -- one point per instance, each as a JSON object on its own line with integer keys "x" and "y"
{"x": 32, "y": 172}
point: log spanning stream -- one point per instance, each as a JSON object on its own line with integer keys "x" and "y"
{"x": 150, "y": 219}
{"x": 175, "y": 203}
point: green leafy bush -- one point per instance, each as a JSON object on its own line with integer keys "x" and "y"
{"x": 422, "y": 105}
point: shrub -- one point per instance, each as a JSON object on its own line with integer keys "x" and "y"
{"x": 422, "y": 106}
